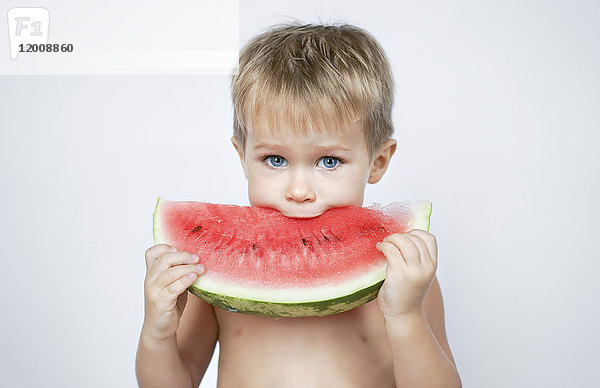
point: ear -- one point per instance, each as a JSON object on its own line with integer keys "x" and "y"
{"x": 240, "y": 151}
{"x": 381, "y": 160}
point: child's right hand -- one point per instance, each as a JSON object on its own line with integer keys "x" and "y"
{"x": 168, "y": 275}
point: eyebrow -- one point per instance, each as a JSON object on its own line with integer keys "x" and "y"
{"x": 321, "y": 148}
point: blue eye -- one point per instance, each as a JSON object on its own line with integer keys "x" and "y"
{"x": 328, "y": 162}
{"x": 276, "y": 161}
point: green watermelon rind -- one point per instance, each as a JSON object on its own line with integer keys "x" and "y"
{"x": 321, "y": 306}
{"x": 290, "y": 310}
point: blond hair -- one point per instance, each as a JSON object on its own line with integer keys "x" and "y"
{"x": 306, "y": 77}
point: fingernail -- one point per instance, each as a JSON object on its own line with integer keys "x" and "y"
{"x": 199, "y": 268}
{"x": 173, "y": 249}
{"x": 195, "y": 257}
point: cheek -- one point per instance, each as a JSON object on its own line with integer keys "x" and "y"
{"x": 344, "y": 189}
{"x": 261, "y": 189}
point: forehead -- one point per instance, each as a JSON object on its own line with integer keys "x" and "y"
{"x": 348, "y": 135}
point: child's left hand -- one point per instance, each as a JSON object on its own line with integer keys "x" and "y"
{"x": 412, "y": 262}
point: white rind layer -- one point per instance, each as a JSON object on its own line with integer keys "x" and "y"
{"x": 294, "y": 294}
{"x": 422, "y": 213}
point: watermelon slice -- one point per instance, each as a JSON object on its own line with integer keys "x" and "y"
{"x": 257, "y": 261}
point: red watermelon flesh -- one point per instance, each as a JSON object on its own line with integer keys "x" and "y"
{"x": 259, "y": 256}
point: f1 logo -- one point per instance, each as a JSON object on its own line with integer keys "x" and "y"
{"x": 27, "y": 26}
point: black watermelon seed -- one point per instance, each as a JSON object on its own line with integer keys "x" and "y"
{"x": 326, "y": 238}
{"x": 197, "y": 228}
{"x": 253, "y": 246}
{"x": 304, "y": 241}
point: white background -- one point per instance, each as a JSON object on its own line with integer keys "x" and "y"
{"x": 498, "y": 125}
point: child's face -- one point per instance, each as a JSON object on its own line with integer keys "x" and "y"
{"x": 304, "y": 175}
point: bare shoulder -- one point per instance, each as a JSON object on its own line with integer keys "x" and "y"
{"x": 197, "y": 336}
{"x": 433, "y": 306}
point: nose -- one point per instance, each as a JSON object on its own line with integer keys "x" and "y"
{"x": 299, "y": 188}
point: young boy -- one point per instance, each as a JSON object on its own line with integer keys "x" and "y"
{"x": 312, "y": 127}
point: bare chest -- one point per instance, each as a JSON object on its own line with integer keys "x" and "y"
{"x": 343, "y": 350}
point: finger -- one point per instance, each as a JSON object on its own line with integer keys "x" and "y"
{"x": 168, "y": 260}
{"x": 154, "y": 252}
{"x": 180, "y": 285}
{"x": 391, "y": 252}
{"x": 423, "y": 250}
{"x": 177, "y": 272}
{"x": 430, "y": 241}
{"x": 406, "y": 246}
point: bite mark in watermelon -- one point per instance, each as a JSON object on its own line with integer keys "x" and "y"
{"x": 258, "y": 261}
